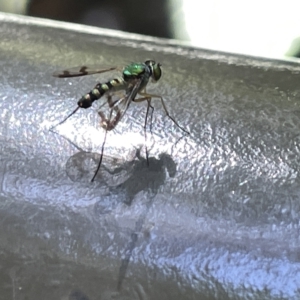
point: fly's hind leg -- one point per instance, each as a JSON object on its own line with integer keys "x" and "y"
{"x": 107, "y": 124}
{"x": 110, "y": 123}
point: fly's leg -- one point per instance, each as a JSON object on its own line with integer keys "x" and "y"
{"x": 149, "y": 106}
{"x": 145, "y": 127}
{"x": 101, "y": 156}
{"x": 151, "y": 116}
{"x": 110, "y": 123}
{"x": 146, "y": 95}
{"x": 146, "y": 119}
{"x": 107, "y": 124}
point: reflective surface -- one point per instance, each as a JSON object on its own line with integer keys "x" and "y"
{"x": 214, "y": 216}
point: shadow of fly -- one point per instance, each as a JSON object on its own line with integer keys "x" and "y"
{"x": 119, "y": 92}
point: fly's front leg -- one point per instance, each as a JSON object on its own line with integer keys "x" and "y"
{"x": 148, "y": 99}
{"x": 146, "y": 95}
{"x": 147, "y": 112}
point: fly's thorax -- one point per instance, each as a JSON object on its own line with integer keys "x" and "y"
{"x": 135, "y": 71}
{"x": 143, "y": 70}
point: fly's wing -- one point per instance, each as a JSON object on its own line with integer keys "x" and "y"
{"x": 83, "y": 71}
{"x": 118, "y": 105}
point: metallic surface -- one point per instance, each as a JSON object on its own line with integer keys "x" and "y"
{"x": 214, "y": 216}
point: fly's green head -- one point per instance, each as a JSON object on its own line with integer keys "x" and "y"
{"x": 155, "y": 69}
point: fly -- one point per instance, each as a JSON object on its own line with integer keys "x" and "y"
{"x": 119, "y": 92}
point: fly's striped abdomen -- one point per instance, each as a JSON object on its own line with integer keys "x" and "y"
{"x": 99, "y": 90}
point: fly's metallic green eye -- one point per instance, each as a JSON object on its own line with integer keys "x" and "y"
{"x": 155, "y": 68}
{"x": 156, "y": 72}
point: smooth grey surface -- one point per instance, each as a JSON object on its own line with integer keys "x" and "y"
{"x": 215, "y": 216}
